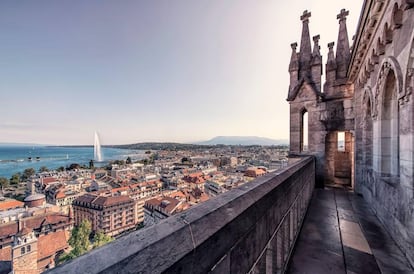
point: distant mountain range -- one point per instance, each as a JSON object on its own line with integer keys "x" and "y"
{"x": 219, "y": 140}
{"x": 243, "y": 140}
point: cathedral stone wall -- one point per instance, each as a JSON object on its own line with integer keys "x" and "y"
{"x": 382, "y": 69}
{"x": 366, "y": 97}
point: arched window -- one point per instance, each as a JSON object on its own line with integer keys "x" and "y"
{"x": 304, "y": 131}
{"x": 367, "y": 133}
{"x": 389, "y": 128}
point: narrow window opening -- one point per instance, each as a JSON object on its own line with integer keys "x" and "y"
{"x": 341, "y": 141}
{"x": 305, "y": 131}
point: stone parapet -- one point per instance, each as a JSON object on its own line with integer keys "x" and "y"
{"x": 251, "y": 228}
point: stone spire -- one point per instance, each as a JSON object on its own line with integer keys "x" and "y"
{"x": 343, "y": 53}
{"x": 330, "y": 69}
{"x": 316, "y": 54}
{"x": 293, "y": 67}
{"x": 305, "y": 56}
{"x": 294, "y": 63}
{"x": 316, "y": 64}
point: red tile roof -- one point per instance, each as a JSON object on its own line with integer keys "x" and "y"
{"x": 8, "y": 229}
{"x": 5, "y": 253}
{"x": 49, "y": 244}
{"x": 166, "y": 204}
{"x": 120, "y": 189}
{"x": 60, "y": 195}
{"x": 48, "y": 180}
{"x": 101, "y": 200}
{"x": 10, "y": 204}
{"x": 108, "y": 201}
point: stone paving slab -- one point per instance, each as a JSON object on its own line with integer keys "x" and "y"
{"x": 341, "y": 234}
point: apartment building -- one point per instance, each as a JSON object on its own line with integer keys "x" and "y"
{"x": 111, "y": 215}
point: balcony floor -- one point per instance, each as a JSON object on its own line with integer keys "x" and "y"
{"x": 341, "y": 234}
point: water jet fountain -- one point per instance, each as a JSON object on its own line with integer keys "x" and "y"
{"x": 97, "y": 153}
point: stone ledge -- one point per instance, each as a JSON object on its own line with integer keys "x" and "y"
{"x": 195, "y": 240}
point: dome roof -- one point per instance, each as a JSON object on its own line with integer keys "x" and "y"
{"x": 34, "y": 197}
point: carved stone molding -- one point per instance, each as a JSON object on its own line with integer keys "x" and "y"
{"x": 385, "y": 70}
{"x": 367, "y": 102}
{"x": 388, "y": 64}
{"x": 405, "y": 98}
{"x": 409, "y": 4}
{"x": 397, "y": 17}
{"x": 365, "y": 37}
{"x": 409, "y": 79}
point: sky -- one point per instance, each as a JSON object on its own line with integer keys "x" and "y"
{"x": 163, "y": 70}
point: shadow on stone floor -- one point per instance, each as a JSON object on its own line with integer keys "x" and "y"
{"x": 341, "y": 234}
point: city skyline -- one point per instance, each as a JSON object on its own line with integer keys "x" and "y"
{"x": 139, "y": 71}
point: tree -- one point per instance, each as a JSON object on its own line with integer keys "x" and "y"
{"x": 27, "y": 173}
{"x": 152, "y": 158}
{"x": 60, "y": 169}
{"x": 4, "y": 182}
{"x": 43, "y": 169}
{"x": 185, "y": 160}
{"x": 119, "y": 162}
{"x": 91, "y": 164}
{"x": 74, "y": 166}
{"x": 79, "y": 238}
{"x": 66, "y": 257}
{"x": 15, "y": 178}
{"x": 128, "y": 160}
{"x": 100, "y": 239}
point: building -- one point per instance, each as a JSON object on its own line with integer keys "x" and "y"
{"x": 213, "y": 188}
{"x": 228, "y": 161}
{"x": 195, "y": 180}
{"x": 99, "y": 173}
{"x": 353, "y": 130}
{"x": 359, "y": 123}
{"x": 255, "y": 172}
{"x": 32, "y": 239}
{"x": 110, "y": 215}
{"x": 157, "y": 209}
{"x": 9, "y": 204}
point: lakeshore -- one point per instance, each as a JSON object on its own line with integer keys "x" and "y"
{"x": 15, "y": 159}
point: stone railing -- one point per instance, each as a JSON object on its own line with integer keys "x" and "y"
{"x": 250, "y": 229}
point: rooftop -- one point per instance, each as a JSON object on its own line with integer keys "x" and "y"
{"x": 256, "y": 228}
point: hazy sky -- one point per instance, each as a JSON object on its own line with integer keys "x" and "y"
{"x": 162, "y": 70}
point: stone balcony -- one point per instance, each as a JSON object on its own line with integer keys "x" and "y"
{"x": 249, "y": 229}
{"x": 254, "y": 229}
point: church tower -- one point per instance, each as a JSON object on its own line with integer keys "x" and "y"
{"x": 24, "y": 252}
{"x": 305, "y": 95}
{"x": 318, "y": 117}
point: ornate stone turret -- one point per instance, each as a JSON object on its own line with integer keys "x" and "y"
{"x": 343, "y": 53}
{"x": 316, "y": 63}
{"x": 305, "y": 67}
{"x": 293, "y": 67}
{"x": 330, "y": 67}
{"x": 316, "y": 117}
{"x": 305, "y": 56}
